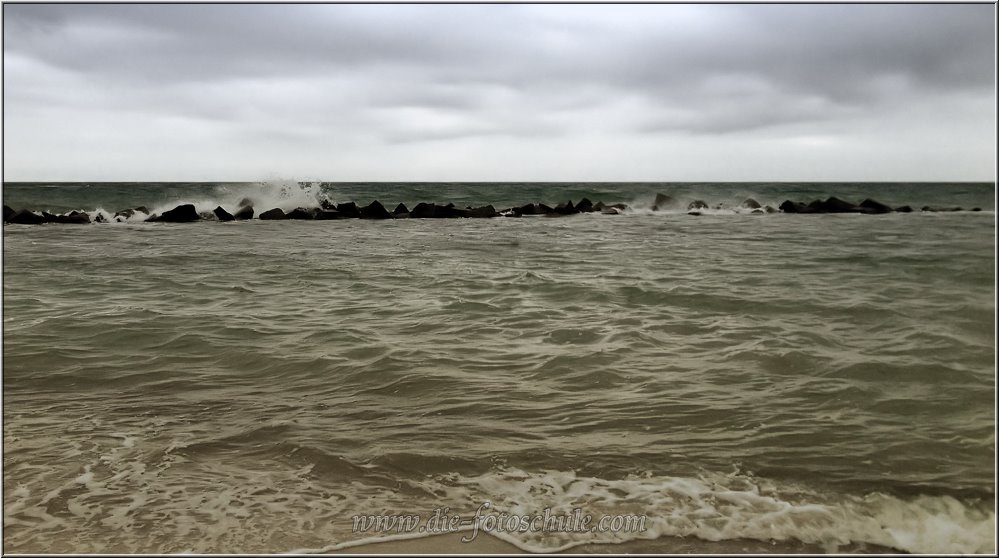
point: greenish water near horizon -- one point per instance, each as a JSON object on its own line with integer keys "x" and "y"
{"x": 249, "y": 386}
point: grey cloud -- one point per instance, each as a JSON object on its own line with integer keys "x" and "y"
{"x": 393, "y": 74}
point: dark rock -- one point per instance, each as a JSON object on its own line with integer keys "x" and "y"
{"x": 769, "y": 209}
{"x": 584, "y": 206}
{"x": 836, "y": 205}
{"x": 207, "y": 216}
{"x": 274, "y": 214}
{"x": 185, "y": 213}
{"x": 401, "y": 208}
{"x": 663, "y": 201}
{"x": 544, "y": 209}
{"x": 49, "y": 217}
{"x": 599, "y": 206}
{"x": 620, "y": 206}
{"x": 452, "y": 211}
{"x": 697, "y": 204}
{"x": 750, "y": 203}
{"x": 876, "y": 207}
{"x": 349, "y": 210}
{"x": 328, "y": 215}
{"x": 375, "y": 210}
{"x": 25, "y": 217}
{"x": 904, "y": 209}
{"x": 529, "y": 209}
{"x": 326, "y": 204}
{"x": 695, "y": 213}
{"x": 927, "y": 208}
{"x": 794, "y": 207}
{"x": 100, "y": 219}
{"x": 484, "y": 212}
{"x": 8, "y": 214}
{"x": 223, "y": 215}
{"x": 245, "y": 212}
{"x": 423, "y": 211}
{"x": 976, "y": 209}
{"x": 565, "y": 209}
{"x": 74, "y": 218}
{"x": 300, "y": 213}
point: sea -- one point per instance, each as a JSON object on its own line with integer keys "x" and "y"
{"x": 814, "y": 383}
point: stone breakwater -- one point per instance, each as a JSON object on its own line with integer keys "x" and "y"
{"x": 325, "y": 210}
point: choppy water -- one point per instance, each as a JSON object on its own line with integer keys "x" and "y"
{"x": 249, "y": 386}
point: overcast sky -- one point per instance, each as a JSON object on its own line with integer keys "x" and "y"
{"x": 499, "y": 92}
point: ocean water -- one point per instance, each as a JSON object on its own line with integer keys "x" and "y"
{"x": 797, "y": 381}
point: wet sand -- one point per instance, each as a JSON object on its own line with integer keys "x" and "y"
{"x": 488, "y": 544}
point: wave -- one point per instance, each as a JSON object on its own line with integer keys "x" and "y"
{"x": 719, "y": 508}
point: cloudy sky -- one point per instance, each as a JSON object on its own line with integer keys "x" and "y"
{"x": 499, "y": 92}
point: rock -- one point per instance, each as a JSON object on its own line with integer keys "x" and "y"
{"x": 274, "y": 214}
{"x": 750, "y": 203}
{"x": 25, "y": 217}
{"x": 976, "y": 209}
{"x": 49, "y": 217}
{"x": 223, "y": 215}
{"x": 620, "y": 206}
{"x": 769, "y": 209}
{"x": 584, "y": 206}
{"x": 207, "y": 216}
{"x": 565, "y": 209}
{"x": 375, "y": 210}
{"x": 904, "y": 209}
{"x": 794, "y": 207}
{"x": 484, "y": 212}
{"x": 544, "y": 209}
{"x": 328, "y": 215}
{"x": 349, "y": 210}
{"x": 529, "y": 209}
{"x": 697, "y": 204}
{"x": 663, "y": 201}
{"x": 74, "y": 218}
{"x": 876, "y": 207}
{"x": 836, "y": 205}
{"x": 100, "y": 219}
{"x": 185, "y": 213}
{"x": 8, "y": 214}
{"x": 400, "y": 209}
{"x": 696, "y": 213}
{"x": 423, "y": 211}
{"x": 245, "y": 212}
{"x": 245, "y": 202}
{"x": 300, "y": 213}
{"x": 599, "y": 206}
{"x": 326, "y": 205}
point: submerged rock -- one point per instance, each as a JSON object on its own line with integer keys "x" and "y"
{"x": 904, "y": 209}
{"x": 750, "y": 203}
{"x": 223, "y": 215}
{"x": 273, "y": 214}
{"x": 874, "y": 206}
{"x": 697, "y": 204}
